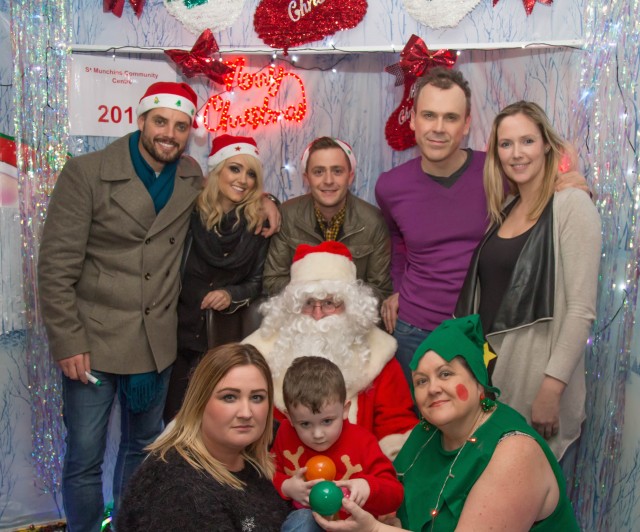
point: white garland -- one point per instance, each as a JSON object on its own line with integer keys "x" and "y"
{"x": 439, "y": 13}
{"x": 216, "y": 15}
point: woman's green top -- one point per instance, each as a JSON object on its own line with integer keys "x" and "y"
{"x": 423, "y": 466}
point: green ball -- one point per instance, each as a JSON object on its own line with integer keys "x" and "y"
{"x": 325, "y": 498}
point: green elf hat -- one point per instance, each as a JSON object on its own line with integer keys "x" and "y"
{"x": 460, "y": 337}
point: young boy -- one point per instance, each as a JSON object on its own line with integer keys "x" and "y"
{"x": 316, "y": 410}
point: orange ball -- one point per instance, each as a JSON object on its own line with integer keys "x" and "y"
{"x": 320, "y": 466}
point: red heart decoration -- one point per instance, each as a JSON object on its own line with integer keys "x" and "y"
{"x": 287, "y": 23}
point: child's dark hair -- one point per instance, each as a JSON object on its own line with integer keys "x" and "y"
{"x": 313, "y": 382}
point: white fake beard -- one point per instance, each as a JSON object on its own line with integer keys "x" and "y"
{"x": 333, "y": 338}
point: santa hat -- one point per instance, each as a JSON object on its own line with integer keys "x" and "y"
{"x": 348, "y": 150}
{"x": 8, "y": 161}
{"x": 226, "y": 146}
{"x": 329, "y": 261}
{"x": 171, "y": 95}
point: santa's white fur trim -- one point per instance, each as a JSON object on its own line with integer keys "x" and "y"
{"x": 392, "y": 444}
{"x": 383, "y": 347}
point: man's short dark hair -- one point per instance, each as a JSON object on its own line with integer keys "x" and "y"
{"x": 442, "y": 78}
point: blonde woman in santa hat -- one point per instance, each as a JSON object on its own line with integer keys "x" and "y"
{"x": 223, "y": 259}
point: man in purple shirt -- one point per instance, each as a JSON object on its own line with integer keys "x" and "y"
{"x": 436, "y": 211}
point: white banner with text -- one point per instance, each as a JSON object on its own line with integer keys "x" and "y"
{"x": 104, "y": 93}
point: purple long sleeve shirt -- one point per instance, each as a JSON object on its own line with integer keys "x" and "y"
{"x": 434, "y": 231}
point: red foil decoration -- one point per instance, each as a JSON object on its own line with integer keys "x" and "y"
{"x": 117, "y": 7}
{"x": 528, "y": 4}
{"x": 415, "y": 60}
{"x": 199, "y": 60}
{"x": 287, "y": 23}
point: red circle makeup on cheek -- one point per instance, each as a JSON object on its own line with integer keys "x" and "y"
{"x": 462, "y": 392}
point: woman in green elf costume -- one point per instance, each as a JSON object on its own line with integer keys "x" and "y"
{"x": 472, "y": 463}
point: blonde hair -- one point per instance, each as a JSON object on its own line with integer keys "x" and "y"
{"x": 494, "y": 175}
{"x": 208, "y": 202}
{"x": 186, "y": 434}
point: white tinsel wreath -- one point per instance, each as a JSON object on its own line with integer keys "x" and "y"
{"x": 216, "y": 15}
{"x": 439, "y": 13}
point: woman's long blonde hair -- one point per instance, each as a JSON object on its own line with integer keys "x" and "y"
{"x": 494, "y": 176}
{"x": 208, "y": 202}
{"x": 186, "y": 434}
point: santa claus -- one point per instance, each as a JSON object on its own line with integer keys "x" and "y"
{"x": 324, "y": 311}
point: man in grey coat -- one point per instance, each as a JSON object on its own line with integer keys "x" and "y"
{"x": 109, "y": 279}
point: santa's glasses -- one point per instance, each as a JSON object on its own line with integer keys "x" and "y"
{"x": 328, "y": 306}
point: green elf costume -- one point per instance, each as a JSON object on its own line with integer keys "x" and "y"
{"x": 437, "y": 482}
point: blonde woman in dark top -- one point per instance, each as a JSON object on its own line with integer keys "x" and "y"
{"x": 211, "y": 470}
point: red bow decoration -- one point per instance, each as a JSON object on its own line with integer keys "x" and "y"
{"x": 199, "y": 60}
{"x": 415, "y": 60}
{"x": 528, "y": 4}
{"x": 117, "y": 7}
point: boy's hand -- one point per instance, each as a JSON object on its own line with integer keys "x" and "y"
{"x": 298, "y": 488}
{"x": 359, "y": 490}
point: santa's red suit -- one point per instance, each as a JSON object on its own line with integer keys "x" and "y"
{"x": 380, "y": 397}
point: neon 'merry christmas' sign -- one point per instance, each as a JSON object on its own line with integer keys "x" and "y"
{"x": 217, "y": 114}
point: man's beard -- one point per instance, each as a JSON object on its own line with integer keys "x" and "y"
{"x": 148, "y": 144}
{"x": 335, "y": 338}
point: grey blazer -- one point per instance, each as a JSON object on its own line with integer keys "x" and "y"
{"x": 108, "y": 268}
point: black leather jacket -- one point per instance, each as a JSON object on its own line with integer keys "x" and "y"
{"x": 530, "y": 293}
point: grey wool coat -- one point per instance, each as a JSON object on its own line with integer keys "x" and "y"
{"x": 108, "y": 269}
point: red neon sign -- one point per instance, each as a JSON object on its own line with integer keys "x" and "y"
{"x": 217, "y": 115}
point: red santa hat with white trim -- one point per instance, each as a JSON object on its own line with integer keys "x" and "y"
{"x": 171, "y": 95}
{"x": 329, "y": 261}
{"x": 8, "y": 158}
{"x": 226, "y": 146}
